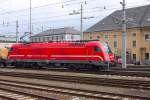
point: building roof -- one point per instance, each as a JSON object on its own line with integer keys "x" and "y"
{"x": 136, "y": 17}
{"x": 65, "y": 30}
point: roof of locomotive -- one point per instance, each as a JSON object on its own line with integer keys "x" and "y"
{"x": 57, "y": 44}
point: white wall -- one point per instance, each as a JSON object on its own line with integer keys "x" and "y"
{"x": 68, "y": 37}
{"x": 72, "y": 37}
{"x": 2, "y": 45}
{"x": 7, "y": 38}
{"x": 76, "y": 37}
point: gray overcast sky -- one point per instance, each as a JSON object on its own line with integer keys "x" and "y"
{"x": 51, "y": 14}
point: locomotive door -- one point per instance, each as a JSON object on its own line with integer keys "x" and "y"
{"x": 97, "y": 53}
{"x": 90, "y": 53}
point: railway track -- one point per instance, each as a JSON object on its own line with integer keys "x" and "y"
{"x": 86, "y": 80}
{"x": 121, "y": 83}
{"x": 131, "y": 71}
{"x": 9, "y": 95}
{"x": 45, "y": 90}
{"x": 133, "y": 68}
{"x": 124, "y": 73}
{"x": 13, "y": 94}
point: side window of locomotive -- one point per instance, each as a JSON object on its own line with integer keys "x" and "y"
{"x": 96, "y": 49}
{"x": 10, "y": 49}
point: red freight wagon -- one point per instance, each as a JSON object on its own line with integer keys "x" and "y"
{"x": 95, "y": 54}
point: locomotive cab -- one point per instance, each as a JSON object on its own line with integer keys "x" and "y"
{"x": 108, "y": 54}
{"x": 102, "y": 55}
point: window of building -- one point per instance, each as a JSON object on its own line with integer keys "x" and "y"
{"x": 39, "y": 39}
{"x": 98, "y": 37}
{"x": 115, "y": 36}
{"x": 34, "y": 40}
{"x": 134, "y": 34}
{"x": 72, "y": 38}
{"x": 147, "y": 37}
{"x": 146, "y": 56}
{"x": 62, "y": 37}
{"x": 90, "y": 37}
{"x": 57, "y": 38}
{"x": 134, "y": 57}
{"x": 134, "y": 43}
{"x": 106, "y": 36}
{"x": 47, "y": 38}
{"x": 43, "y": 39}
{"x": 115, "y": 44}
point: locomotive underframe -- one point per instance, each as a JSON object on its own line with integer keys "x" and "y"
{"x": 61, "y": 63}
{"x": 3, "y": 62}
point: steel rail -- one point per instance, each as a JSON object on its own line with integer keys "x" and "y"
{"x": 77, "y": 92}
{"x": 135, "y": 84}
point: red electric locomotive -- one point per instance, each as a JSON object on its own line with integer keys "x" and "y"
{"x": 77, "y": 54}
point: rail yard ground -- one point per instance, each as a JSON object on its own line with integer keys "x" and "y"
{"x": 24, "y": 84}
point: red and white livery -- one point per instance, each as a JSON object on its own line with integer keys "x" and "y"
{"x": 77, "y": 53}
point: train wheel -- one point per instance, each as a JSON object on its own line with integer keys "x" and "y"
{"x": 3, "y": 64}
{"x": 72, "y": 67}
{"x": 95, "y": 68}
{"x": 34, "y": 65}
{"x": 17, "y": 65}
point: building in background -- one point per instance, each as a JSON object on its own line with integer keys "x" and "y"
{"x": 138, "y": 33}
{"x": 7, "y": 41}
{"x": 4, "y": 38}
{"x": 60, "y": 34}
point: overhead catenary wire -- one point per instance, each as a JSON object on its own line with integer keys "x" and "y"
{"x": 53, "y": 19}
{"x": 53, "y": 4}
{"x": 59, "y": 16}
{"x": 62, "y": 15}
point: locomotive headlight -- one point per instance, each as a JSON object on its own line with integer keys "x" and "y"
{"x": 111, "y": 57}
{"x": 107, "y": 58}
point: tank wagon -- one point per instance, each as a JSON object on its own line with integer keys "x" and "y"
{"x": 73, "y": 55}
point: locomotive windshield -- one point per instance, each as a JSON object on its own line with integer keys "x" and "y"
{"x": 107, "y": 48}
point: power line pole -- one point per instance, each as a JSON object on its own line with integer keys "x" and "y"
{"x": 30, "y": 20}
{"x": 81, "y": 22}
{"x": 124, "y": 36}
{"x": 81, "y": 18}
{"x": 17, "y": 26}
